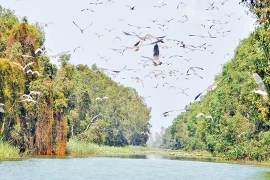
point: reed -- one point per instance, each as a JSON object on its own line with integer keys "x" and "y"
{"x": 81, "y": 148}
{"x": 78, "y": 148}
{"x": 8, "y": 151}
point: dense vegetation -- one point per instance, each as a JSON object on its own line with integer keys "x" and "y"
{"x": 8, "y": 151}
{"x": 240, "y": 128}
{"x": 260, "y": 8}
{"x": 66, "y": 99}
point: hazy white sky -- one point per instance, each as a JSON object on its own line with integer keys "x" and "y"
{"x": 64, "y": 36}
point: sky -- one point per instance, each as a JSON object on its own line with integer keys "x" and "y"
{"x": 62, "y": 35}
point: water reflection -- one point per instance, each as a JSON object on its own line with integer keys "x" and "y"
{"x": 127, "y": 167}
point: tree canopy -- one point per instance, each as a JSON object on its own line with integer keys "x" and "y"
{"x": 45, "y": 105}
{"x": 240, "y": 125}
{"x": 260, "y": 8}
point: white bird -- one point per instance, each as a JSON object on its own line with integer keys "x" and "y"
{"x": 146, "y": 133}
{"x": 34, "y": 92}
{"x": 33, "y": 72}
{"x": 27, "y": 56}
{"x": 101, "y": 99}
{"x": 98, "y": 99}
{"x": 206, "y": 117}
{"x": 38, "y": 50}
{"x": 1, "y": 109}
{"x": 261, "y": 88}
{"x": 242, "y": 133}
{"x": 26, "y": 95}
{"x": 23, "y": 68}
{"x": 28, "y": 100}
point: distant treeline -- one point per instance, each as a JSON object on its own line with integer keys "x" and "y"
{"x": 45, "y": 105}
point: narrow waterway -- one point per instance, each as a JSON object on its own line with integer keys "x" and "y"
{"x": 127, "y": 168}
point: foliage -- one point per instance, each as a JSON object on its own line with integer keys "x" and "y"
{"x": 240, "y": 127}
{"x": 260, "y": 8}
{"x": 66, "y": 104}
{"x": 7, "y": 151}
{"x": 121, "y": 118}
{"x": 79, "y": 148}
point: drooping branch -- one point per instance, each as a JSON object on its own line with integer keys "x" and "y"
{"x": 91, "y": 122}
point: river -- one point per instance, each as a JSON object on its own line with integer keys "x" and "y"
{"x": 127, "y": 168}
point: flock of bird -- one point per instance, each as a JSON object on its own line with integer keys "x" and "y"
{"x": 215, "y": 29}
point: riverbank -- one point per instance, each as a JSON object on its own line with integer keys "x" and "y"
{"x": 81, "y": 149}
{"x": 75, "y": 148}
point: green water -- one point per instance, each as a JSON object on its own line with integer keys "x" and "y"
{"x": 127, "y": 168}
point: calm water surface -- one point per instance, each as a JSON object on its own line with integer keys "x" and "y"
{"x": 142, "y": 167}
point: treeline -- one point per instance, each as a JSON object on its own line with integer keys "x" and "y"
{"x": 45, "y": 105}
{"x": 240, "y": 128}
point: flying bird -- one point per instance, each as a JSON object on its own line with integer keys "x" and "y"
{"x": 165, "y": 114}
{"x": 183, "y": 91}
{"x": 86, "y": 9}
{"x": 96, "y": 3}
{"x": 261, "y": 87}
{"x": 163, "y": 29}
{"x": 162, "y": 3}
{"x": 117, "y": 38}
{"x": 103, "y": 57}
{"x": 168, "y": 20}
{"x": 174, "y": 56}
{"x": 192, "y": 68}
{"x": 211, "y": 87}
{"x": 144, "y": 38}
{"x": 27, "y": 56}
{"x": 33, "y": 72}
{"x": 139, "y": 27}
{"x": 78, "y": 47}
{"x": 180, "y": 4}
{"x": 28, "y": 97}
{"x": 109, "y": 30}
{"x": 182, "y": 21}
{"x": 155, "y": 58}
{"x": 99, "y": 35}
{"x": 206, "y": 117}
{"x": 82, "y": 30}
{"x": 131, "y": 7}
{"x": 23, "y": 68}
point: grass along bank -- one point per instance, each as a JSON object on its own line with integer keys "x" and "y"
{"x": 77, "y": 148}
{"x": 8, "y": 151}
